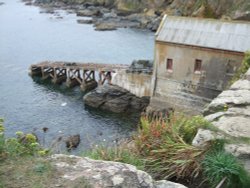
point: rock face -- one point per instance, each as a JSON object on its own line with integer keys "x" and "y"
{"x": 102, "y": 174}
{"x": 115, "y": 99}
{"x": 230, "y": 113}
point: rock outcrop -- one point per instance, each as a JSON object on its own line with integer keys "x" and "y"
{"x": 147, "y": 14}
{"x": 115, "y": 99}
{"x": 80, "y": 171}
{"x": 73, "y": 141}
{"x": 230, "y": 113}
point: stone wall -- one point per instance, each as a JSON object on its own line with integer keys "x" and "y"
{"x": 137, "y": 83}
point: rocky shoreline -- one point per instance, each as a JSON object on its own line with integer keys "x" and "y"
{"x": 113, "y": 14}
{"x": 102, "y": 17}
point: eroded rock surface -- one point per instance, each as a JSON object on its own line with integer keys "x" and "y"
{"x": 230, "y": 113}
{"x": 115, "y": 99}
{"x": 102, "y": 174}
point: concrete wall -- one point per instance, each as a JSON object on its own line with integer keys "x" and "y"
{"x": 183, "y": 87}
{"x": 137, "y": 83}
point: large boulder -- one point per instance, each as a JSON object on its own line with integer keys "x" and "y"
{"x": 115, "y": 99}
{"x": 101, "y": 174}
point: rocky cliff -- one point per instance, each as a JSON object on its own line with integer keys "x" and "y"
{"x": 235, "y": 9}
{"x": 144, "y": 14}
{"x": 230, "y": 114}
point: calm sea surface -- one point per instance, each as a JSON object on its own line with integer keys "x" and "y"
{"x": 27, "y": 37}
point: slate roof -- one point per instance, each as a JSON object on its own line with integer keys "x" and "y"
{"x": 208, "y": 33}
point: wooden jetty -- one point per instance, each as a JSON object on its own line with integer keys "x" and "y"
{"x": 83, "y": 74}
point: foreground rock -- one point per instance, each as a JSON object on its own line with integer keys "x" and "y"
{"x": 102, "y": 174}
{"x": 230, "y": 113}
{"x": 115, "y": 99}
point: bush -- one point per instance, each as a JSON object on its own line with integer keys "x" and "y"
{"x": 220, "y": 165}
{"x": 23, "y": 145}
{"x": 163, "y": 143}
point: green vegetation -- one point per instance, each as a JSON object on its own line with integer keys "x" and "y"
{"x": 21, "y": 161}
{"x": 208, "y": 12}
{"x": 117, "y": 154}
{"x": 162, "y": 143}
{"x": 23, "y": 145}
{"x": 26, "y": 171}
{"x": 219, "y": 166}
{"x": 162, "y": 147}
{"x": 245, "y": 65}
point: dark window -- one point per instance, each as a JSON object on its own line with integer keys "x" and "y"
{"x": 197, "y": 65}
{"x": 231, "y": 67}
{"x": 170, "y": 64}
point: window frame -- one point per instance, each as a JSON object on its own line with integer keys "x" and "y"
{"x": 197, "y": 66}
{"x": 169, "y": 65}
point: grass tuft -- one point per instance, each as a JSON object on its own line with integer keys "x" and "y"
{"x": 220, "y": 165}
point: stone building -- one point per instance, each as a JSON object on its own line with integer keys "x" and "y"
{"x": 195, "y": 60}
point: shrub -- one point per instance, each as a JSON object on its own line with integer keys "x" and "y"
{"x": 220, "y": 165}
{"x": 24, "y": 144}
{"x": 162, "y": 143}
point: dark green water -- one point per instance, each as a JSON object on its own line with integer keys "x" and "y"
{"x": 28, "y": 37}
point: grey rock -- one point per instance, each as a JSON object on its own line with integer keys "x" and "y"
{"x": 104, "y": 174}
{"x": 203, "y": 136}
{"x": 105, "y": 26}
{"x": 230, "y": 113}
{"x": 241, "y": 85}
{"x": 238, "y": 150}
{"x": 118, "y": 105}
{"x": 114, "y": 99}
{"x": 109, "y": 15}
{"x": 89, "y": 12}
{"x": 72, "y": 141}
{"x": 239, "y": 15}
{"x": 168, "y": 184}
{"x": 232, "y": 97}
{"x": 242, "y": 152}
{"x": 81, "y": 21}
{"x": 247, "y": 75}
{"x": 214, "y": 117}
{"x": 238, "y": 126}
{"x": 1, "y": 3}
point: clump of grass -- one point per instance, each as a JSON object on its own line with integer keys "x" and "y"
{"x": 117, "y": 154}
{"x": 223, "y": 167}
{"x": 164, "y": 145}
